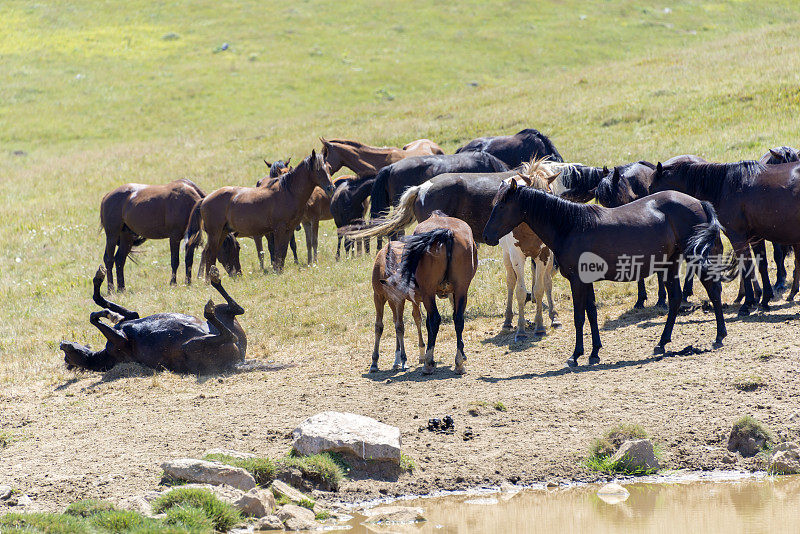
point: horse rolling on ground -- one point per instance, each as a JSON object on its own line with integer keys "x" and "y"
{"x": 468, "y": 196}
{"x": 173, "y": 341}
{"x": 659, "y": 228}
{"x": 254, "y": 211}
{"x": 134, "y": 213}
{"x": 755, "y": 203}
{"x": 439, "y": 259}
{"x": 514, "y": 150}
{"x": 348, "y": 207}
{"x": 366, "y": 160}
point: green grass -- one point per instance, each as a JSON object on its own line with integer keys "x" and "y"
{"x": 307, "y": 503}
{"x": 45, "y": 523}
{"x": 602, "y": 450}
{"x": 97, "y": 517}
{"x": 325, "y": 467}
{"x": 222, "y": 516}
{"x": 98, "y": 94}
{"x": 262, "y": 469}
{"x": 407, "y": 463}
{"x": 500, "y": 407}
{"x": 88, "y": 508}
{"x": 749, "y": 426}
{"x": 749, "y": 383}
{"x": 322, "y": 516}
{"x": 193, "y": 518}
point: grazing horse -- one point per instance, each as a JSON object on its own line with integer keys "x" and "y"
{"x": 755, "y": 203}
{"x": 366, "y": 160}
{"x": 469, "y": 197}
{"x": 594, "y": 243}
{"x": 134, "y": 213}
{"x": 254, "y": 211}
{"x": 775, "y": 156}
{"x": 393, "y": 180}
{"x": 513, "y": 150}
{"x": 173, "y": 341}
{"x": 348, "y": 207}
{"x": 439, "y": 259}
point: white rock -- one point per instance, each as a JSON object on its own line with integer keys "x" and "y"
{"x": 203, "y": 472}
{"x": 394, "y": 514}
{"x": 296, "y": 517}
{"x": 348, "y": 433}
{"x": 282, "y": 488}
{"x": 270, "y": 522}
{"x": 613, "y": 493}
{"x": 256, "y": 503}
{"x": 785, "y": 458}
{"x": 5, "y": 492}
{"x": 637, "y": 454}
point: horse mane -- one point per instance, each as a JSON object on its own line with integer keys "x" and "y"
{"x": 548, "y": 144}
{"x": 193, "y": 186}
{"x": 360, "y": 146}
{"x": 576, "y": 175}
{"x": 709, "y": 179}
{"x": 563, "y": 215}
{"x": 537, "y": 171}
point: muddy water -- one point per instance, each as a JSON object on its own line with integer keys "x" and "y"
{"x": 769, "y": 505}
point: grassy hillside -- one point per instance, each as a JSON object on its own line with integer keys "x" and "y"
{"x": 95, "y": 94}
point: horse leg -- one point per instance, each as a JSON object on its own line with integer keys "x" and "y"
{"x": 795, "y": 274}
{"x": 432, "y": 322}
{"x": 688, "y": 286}
{"x": 315, "y": 236}
{"x": 779, "y": 255}
{"x": 417, "y": 315}
{"x": 175, "y": 258}
{"x": 591, "y": 314}
{"x": 188, "y": 252}
{"x": 108, "y": 258}
{"x": 366, "y": 246}
{"x": 742, "y": 250}
{"x": 293, "y": 246}
{"x": 338, "y": 247}
{"x": 760, "y": 253}
{"x": 114, "y": 336}
{"x": 579, "y": 290}
{"x": 282, "y": 240}
{"x": 260, "y": 250}
{"x": 548, "y": 284}
{"x": 125, "y": 246}
{"x": 538, "y": 295}
{"x": 511, "y": 280}
{"x": 714, "y": 289}
{"x": 662, "y": 291}
{"x": 674, "y": 297}
{"x": 232, "y": 308}
{"x": 400, "y": 333}
{"x": 101, "y": 301}
{"x": 309, "y": 242}
{"x": 458, "y": 321}
{"x": 642, "y": 296}
{"x": 380, "y": 303}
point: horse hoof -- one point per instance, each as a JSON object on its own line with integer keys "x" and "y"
{"x": 638, "y": 306}
{"x": 659, "y": 349}
{"x": 744, "y": 311}
{"x": 717, "y": 344}
{"x": 520, "y": 336}
{"x": 460, "y": 370}
{"x": 594, "y": 360}
{"x": 572, "y": 362}
{"x": 556, "y": 323}
{"x": 373, "y": 369}
{"x": 428, "y": 369}
{"x": 661, "y": 304}
{"x": 506, "y": 328}
{"x": 764, "y": 307}
{"x": 540, "y": 331}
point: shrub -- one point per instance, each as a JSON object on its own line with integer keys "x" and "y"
{"x": 500, "y": 407}
{"x": 262, "y": 469}
{"x": 88, "y": 507}
{"x": 602, "y": 449}
{"x": 119, "y": 521}
{"x": 192, "y": 518}
{"x": 223, "y": 516}
{"x": 307, "y": 503}
{"x": 749, "y": 383}
{"x": 43, "y": 523}
{"x": 326, "y": 467}
{"x": 749, "y": 426}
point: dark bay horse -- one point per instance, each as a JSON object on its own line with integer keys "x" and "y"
{"x": 366, "y": 160}
{"x": 439, "y": 259}
{"x": 513, "y": 150}
{"x": 134, "y": 213}
{"x": 252, "y": 211}
{"x": 775, "y": 156}
{"x": 577, "y": 182}
{"x": 755, "y": 203}
{"x": 173, "y": 341}
{"x": 393, "y": 180}
{"x": 593, "y": 243}
{"x": 348, "y": 207}
{"x": 276, "y": 169}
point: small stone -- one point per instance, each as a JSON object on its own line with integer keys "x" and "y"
{"x": 296, "y": 517}
{"x": 203, "y": 472}
{"x": 356, "y": 435}
{"x": 550, "y": 484}
{"x": 5, "y": 492}
{"x": 256, "y": 503}
{"x": 636, "y": 454}
{"x": 283, "y": 489}
{"x": 137, "y": 504}
{"x": 269, "y": 522}
{"x": 19, "y": 500}
{"x": 785, "y": 459}
{"x": 394, "y": 514}
{"x": 613, "y": 493}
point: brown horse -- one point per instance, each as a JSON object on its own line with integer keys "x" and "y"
{"x": 349, "y": 204}
{"x": 276, "y": 169}
{"x": 366, "y": 160}
{"x": 254, "y": 211}
{"x": 134, "y": 213}
{"x": 593, "y": 243}
{"x": 439, "y": 259}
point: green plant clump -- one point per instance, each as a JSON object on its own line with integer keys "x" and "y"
{"x": 262, "y": 469}
{"x": 602, "y": 450}
{"x": 326, "y": 467}
{"x": 222, "y": 515}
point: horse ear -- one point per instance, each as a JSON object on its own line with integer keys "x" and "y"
{"x": 526, "y": 179}
{"x": 323, "y": 140}
{"x": 512, "y": 186}
{"x": 605, "y": 170}
{"x": 659, "y": 168}
{"x": 383, "y": 281}
{"x": 593, "y": 191}
{"x": 775, "y": 154}
{"x": 615, "y": 176}
{"x": 552, "y": 177}
{"x": 268, "y": 163}
{"x": 288, "y": 160}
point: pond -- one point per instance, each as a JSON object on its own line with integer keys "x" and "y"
{"x": 722, "y": 503}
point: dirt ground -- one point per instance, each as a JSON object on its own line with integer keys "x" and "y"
{"x": 95, "y": 436}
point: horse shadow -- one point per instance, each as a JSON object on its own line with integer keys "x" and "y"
{"x": 412, "y": 375}
{"x": 506, "y": 339}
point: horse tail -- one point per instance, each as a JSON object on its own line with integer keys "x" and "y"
{"x": 380, "y": 202}
{"x": 416, "y": 246}
{"x": 193, "y": 186}
{"x": 194, "y": 229}
{"x": 402, "y": 216}
{"x": 706, "y": 238}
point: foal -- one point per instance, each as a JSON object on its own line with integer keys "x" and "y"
{"x": 439, "y": 259}
{"x": 591, "y": 243}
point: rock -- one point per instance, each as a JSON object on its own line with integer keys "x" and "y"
{"x": 613, "y": 493}
{"x": 785, "y": 459}
{"x": 203, "y": 472}
{"x": 19, "y": 500}
{"x": 637, "y": 454}
{"x": 296, "y": 517}
{"x": 284, "y": 489}
{"x": 269, "y": 522}
{"x": 256, "y": 503}
{"x": 351, "y": 434}
{"x": 394, "y": 514}
{"x": 5, "y": 492}
{"x": 137, "y": 504}
{"x": 233, "y": 454}
{"x": 747, "y": 438}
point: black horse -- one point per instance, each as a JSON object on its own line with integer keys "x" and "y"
{"x": 594, "y": 243}
{"x": 513, "y": 150}
{"x": 577, "y": 182}
{"x": 348, "y": 207}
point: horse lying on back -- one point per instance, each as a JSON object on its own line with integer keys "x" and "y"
{"x": 439, "y": 259}
{"x": 173, "y": 341}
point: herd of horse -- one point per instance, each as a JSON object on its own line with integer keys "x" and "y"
{"x": 515, "y": 191}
